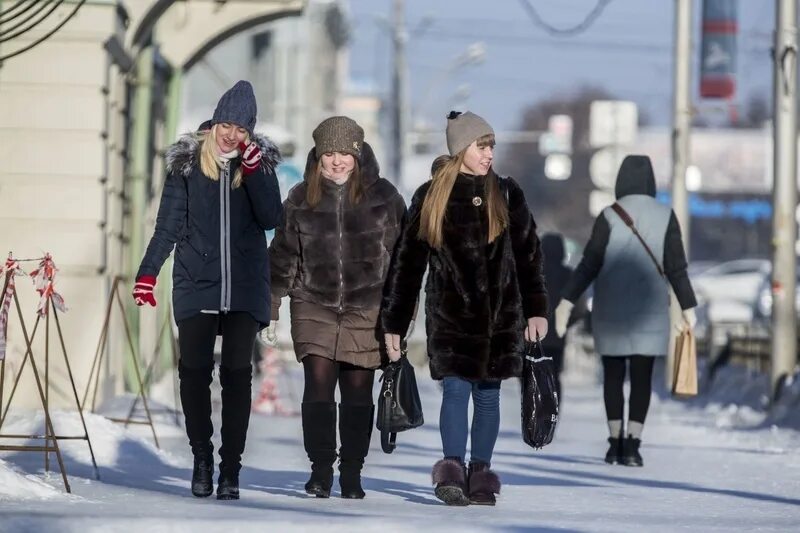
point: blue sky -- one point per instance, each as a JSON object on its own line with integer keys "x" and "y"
{"x": 627, "y": 51}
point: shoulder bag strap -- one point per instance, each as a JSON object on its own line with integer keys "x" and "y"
{"x": 387, "y": 398}
{"x": 626, "y": 218}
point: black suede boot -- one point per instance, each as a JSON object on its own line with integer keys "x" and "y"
{"x": 196, "y": 401}
{"x": 236, "y": 396}
{"x": 355, "y": 431}
{"x": 614, "y": 453}
{"x": 630, "y": 451}
{"x": 319, "y": 439}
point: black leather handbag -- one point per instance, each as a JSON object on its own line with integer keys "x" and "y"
{"x": 399, "y": 406}
{"x": 539, "y": 397}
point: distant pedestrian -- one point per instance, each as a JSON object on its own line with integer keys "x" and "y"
{"x": 331, "y": 256}
{"x": 556, "y": 275}
{"x": 474, "y": 234}
{"x": 220, "y": 195}
{"x": 630, "y": 312}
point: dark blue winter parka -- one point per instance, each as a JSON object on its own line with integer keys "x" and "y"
{"x": 221, "y": 257}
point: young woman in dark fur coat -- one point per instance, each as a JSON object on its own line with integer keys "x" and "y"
{"x": 220, "y": 195}
{"x": 331, "y": 256}
{"x": 485, "y": 292}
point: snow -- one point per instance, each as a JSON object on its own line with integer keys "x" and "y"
{"x": 711, "y": 464}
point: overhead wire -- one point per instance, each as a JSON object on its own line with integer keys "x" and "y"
{"x": 581, "y": 27}
{"x": 30, "y": 5}
{"x": 18, "y": 30}
{"x": 46, "y": 36}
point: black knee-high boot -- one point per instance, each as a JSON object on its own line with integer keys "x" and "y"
{"x": 196, "y": 401}
{"x": 236, "y": 397}
{"x": 319, "y": 438}
{"x": 355, "y": 431}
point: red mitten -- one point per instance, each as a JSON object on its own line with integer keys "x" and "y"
{"x": 143, "y": 290}
{"x": 251, "y": 157}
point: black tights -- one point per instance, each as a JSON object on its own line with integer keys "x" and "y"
{"x": 355, "y": 383}
{"x": 641, "y": 373}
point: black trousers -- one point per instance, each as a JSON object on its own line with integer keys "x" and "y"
{"x": 196, "y": 338}
{"x": 197, "y": 334}
{"x": 641, "y": 377}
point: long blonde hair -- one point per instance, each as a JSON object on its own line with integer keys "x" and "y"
{"x": 314, "y": 179}
{"x": 209, "y": 157}
{"x": 434, "y": 206}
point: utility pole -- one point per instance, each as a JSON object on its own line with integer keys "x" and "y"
{"x": 682, "y": 114}
{"x": 784, "y": 194}
{"x": 399, "y": 90}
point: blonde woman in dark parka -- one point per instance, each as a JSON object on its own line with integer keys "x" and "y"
{"x": 219, "y": 197}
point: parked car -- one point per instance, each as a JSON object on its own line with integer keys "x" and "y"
{"x": 762, "y": 306}
{"x": 731, "y": 288}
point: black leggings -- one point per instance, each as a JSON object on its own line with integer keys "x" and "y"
{"x": 641, "y": 370}
{"x": 321, "y": 373}
{"x": 197, "y": 334}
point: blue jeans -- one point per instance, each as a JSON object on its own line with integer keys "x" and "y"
{"x": 454, "y": 423}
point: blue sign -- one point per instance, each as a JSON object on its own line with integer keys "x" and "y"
{"x": 751, "y": 211}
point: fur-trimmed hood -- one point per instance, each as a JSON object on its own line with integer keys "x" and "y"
{"x": 370, "y": 169}
{"x": 182, "y": 156}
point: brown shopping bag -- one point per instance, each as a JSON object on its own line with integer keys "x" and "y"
{"x": 684, "y": 375}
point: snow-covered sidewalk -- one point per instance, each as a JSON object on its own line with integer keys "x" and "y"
{"x": 699, "y": 475}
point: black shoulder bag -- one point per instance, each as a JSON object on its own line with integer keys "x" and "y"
{"x": 399, "y": 406}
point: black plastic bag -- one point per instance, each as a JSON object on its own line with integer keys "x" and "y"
{"x": 399, "y": 406}
{"x": 539, "y": 397}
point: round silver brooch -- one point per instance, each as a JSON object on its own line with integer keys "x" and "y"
{"x": 477, "y": 201}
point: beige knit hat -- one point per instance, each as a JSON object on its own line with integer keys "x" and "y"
{"x": 338, "y": 134}
{"x": 463, "y": 128}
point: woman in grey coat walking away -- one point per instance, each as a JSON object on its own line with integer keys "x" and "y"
{"x": 630, "y": 316}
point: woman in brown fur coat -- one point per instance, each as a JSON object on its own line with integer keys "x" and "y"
{"x": 331, "y": 256}
{"x": 473, "y": 232}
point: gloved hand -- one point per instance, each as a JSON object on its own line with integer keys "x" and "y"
{"x": 251, "y": 157}
{"x": 688, "y": 320}
{"x": 393, "y": 346}
{"x": 563, "y": 312}
{"x": 269, "y": 334}
{"x": 537, "y": 328}
{"x": 143, "y": 291}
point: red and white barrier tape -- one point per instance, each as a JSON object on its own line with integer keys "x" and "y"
{"x": 11, "y": 268}
{"x": 44, "y": 282}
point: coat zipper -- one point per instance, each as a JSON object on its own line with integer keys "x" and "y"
{"x": 340, "y": 224}
{"x": 225, "y": 238}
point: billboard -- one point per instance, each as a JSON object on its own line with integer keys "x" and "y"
{"x": 718, "y": 59}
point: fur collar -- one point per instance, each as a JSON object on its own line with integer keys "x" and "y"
{"x": 370, "y": 170}
{"x": 182, "y": 156}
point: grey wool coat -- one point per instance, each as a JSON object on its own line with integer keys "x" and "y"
{"x": 332, "y": 261}
{"x": 630, "y": 313}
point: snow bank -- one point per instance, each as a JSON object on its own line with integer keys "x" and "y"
{"x": 16, "y": 485}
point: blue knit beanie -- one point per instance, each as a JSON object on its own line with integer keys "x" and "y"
{"x": 237, "y": 106}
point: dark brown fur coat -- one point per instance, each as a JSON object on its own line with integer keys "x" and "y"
{"x": 478, "y": 295}
{"x": 332, "y": 260}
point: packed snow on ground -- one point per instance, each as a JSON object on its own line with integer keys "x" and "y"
{"x": 710, "y": 465}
